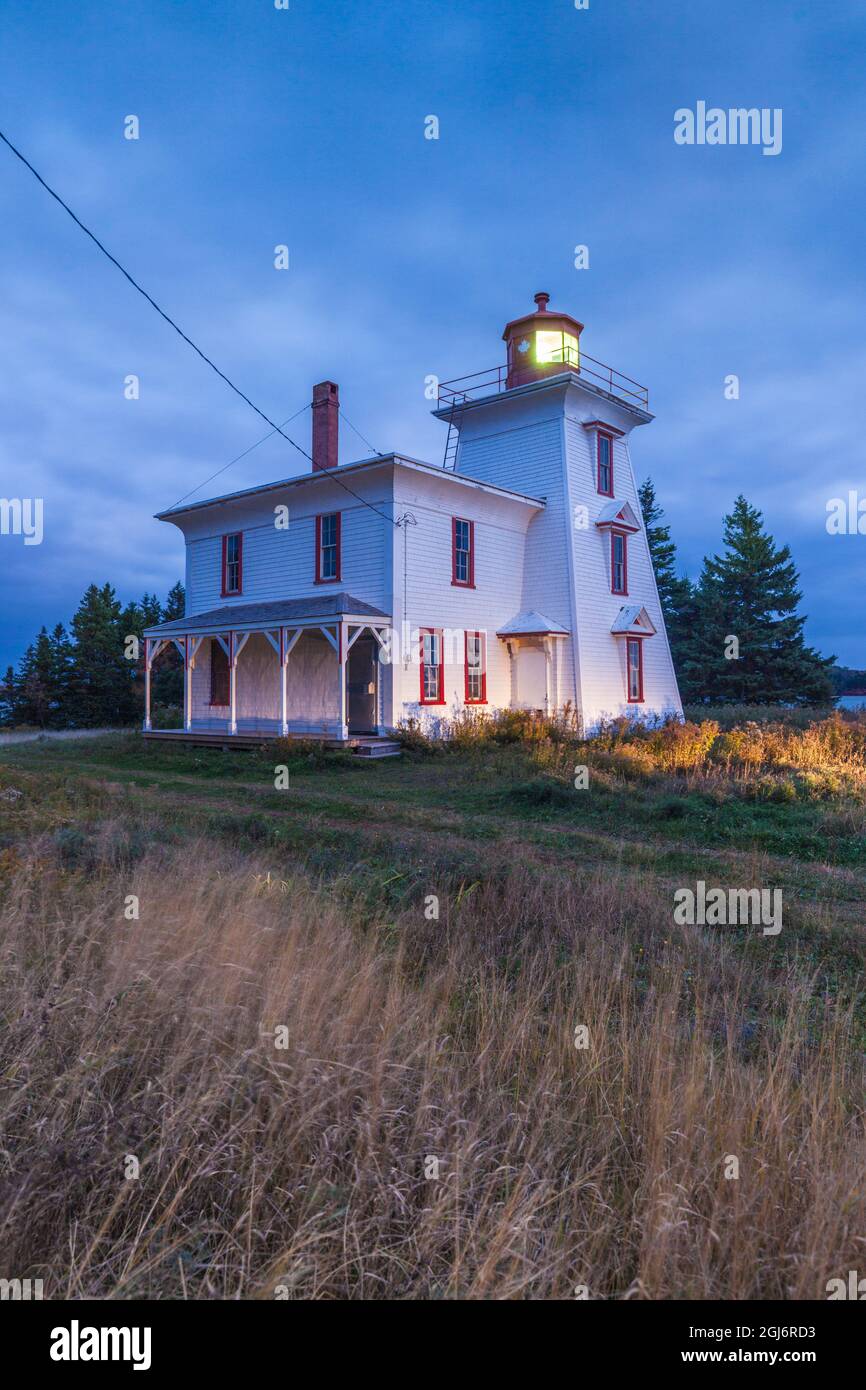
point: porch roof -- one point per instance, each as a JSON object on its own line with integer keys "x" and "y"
{"x": 530, "y": 623}
{"x": 292, "y": 612}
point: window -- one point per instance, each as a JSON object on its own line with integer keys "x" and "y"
{"x": 634, "y": 662}
{"x": 233, "y": 565}
{"x": 328, "y": 548}
{"x": 476, "y": 668}
{"x": 605, "y": 464}
{"x": 618, "y": 562}
{"x": 463, "y": 552}
{"x": 556, "y": 347}
{"x": 431, "y": 667}
{"x": 219, "y": 674}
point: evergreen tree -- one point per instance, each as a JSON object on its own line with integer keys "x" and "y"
{"x": 175, "y": 603}
{"x": 101, "y": 689}
{"x": 748, "y": 644}
{"x": 37, "y": 689}
{"x": 676, "y": 593}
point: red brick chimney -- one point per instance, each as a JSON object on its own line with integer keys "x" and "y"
{"x": 326, "y": 413}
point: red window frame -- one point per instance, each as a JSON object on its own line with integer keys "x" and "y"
{"x": 436, "y": 634}
{"x": 338, "y": 544}
{"x": 239, "y": 537}
{"x": 630, "y": 644}
{"x": 468, "y": 583}
{"x": 600, "y": 435}
{"x": 224, "y": 685}
{"x": 482, "y": 698}
{"x": 623, "y": 536}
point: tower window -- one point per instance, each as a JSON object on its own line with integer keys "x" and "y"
{"x": 604, "y": 457}
{"x": 618, "y": 562}
{"x": 233, "y": 551}
{"x": 328, "y": 548}
{"x": 556, "y": 347}
{"x": 463, "y": 552}
{"x": 476, "y": 668}
{"x": 634, "y": 662}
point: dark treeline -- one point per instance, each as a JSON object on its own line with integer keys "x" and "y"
{"x": 90, "y": 676}
{"x": 735, "y": 634}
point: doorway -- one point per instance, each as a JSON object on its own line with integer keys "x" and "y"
{"x": 361, "y": 677}
{"x": 531, "y": 679}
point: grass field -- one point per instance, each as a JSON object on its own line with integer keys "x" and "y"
{"x": 334, "y": 1054}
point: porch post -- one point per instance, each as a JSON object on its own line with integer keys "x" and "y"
{"x": 343, "y": 641}
{"x": 284, "y": 671}
{"x": 548, "y": 658}
{"x": 233, "y": 686}
{"x": 147, "y": 666}
{"x": 187, "y": 684}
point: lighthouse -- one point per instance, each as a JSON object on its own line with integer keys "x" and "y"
{"x": 556, "y": 423}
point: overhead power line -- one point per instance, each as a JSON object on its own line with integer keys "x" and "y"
{"x": 361, "y": 436}
{"x": 237, "y": 458}
{"x": 275, "y": 428}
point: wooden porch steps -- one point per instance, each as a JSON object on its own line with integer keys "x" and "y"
{"x": 377, "y": 748}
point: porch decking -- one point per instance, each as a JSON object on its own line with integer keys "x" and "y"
{"x": 365, "y": 745}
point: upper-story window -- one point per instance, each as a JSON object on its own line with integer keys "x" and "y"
{"x": 328, "y": 548}
{"x": 634, "y": 664}
{"x": 233, "y": 564}
{"x": 463, "y": 552}
{"x": 476, "y": 668}
{"x": 604, "y": 456}
{"x": 432, "y": 684}
{"x": 618, "y": 562}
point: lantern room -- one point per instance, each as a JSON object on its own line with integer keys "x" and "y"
{"x": 541, "y": 344}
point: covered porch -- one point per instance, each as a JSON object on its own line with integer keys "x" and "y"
{"x": 297, "y": 667}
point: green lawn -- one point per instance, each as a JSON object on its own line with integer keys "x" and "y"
{"x": 458, "y": 818}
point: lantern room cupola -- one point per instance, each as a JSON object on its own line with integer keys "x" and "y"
{"x": 541, "y": 344}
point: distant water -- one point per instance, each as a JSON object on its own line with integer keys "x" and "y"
{"x": 852, "y": 702}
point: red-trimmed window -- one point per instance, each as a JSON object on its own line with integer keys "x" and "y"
{"x": 233, "y": 564}
{"x": 475, "y": 647}
{"x": 219, "y": 674}
{"x": 618, "y": 562}
{"x": 604, "y": 459}
{"x": 328, "y": 530}
{"x": 634, "y": 669}
{"x": 463, "y": 552}
{"x": 432, "y": 683}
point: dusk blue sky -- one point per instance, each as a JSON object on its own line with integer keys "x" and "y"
{"x": 306, "y": 127}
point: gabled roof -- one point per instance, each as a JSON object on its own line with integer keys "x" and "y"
{"x": 634, "y": 621}
{"x": 529, "y": 623}
{"x": 348, "y": 471}
{"x": 620, "y": 514}
{"x": 319, "y": 608}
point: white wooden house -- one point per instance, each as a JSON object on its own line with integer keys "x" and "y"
{"x": 515, "y": 575}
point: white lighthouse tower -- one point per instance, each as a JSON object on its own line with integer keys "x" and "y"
{"x": 555, "y": 424}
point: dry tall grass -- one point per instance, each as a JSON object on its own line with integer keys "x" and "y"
{"x": 306, "y": 1168}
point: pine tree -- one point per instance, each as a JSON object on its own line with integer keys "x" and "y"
{"x": 36, "y": 697}
{"x": 102, "y": 690}
{"x": 175, "y": 603}
{"x": 676, "y": 593}
{"x": 748, "y": 644}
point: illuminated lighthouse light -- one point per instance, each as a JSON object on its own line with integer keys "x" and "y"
{"x": 556, "y": 347}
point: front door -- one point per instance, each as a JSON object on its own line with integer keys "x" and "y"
{"x": 361, "y": 686}
{"x": 531, "y": 679}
